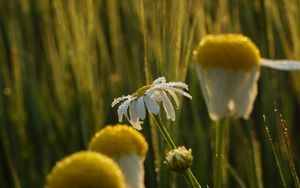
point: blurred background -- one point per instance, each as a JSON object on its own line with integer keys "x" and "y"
{"x": 63, "y": 62}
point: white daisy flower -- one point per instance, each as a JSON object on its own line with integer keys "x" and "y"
{"x": 228, "y": 69}
{"x": 149, "y": 97}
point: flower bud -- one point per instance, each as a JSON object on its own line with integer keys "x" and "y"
{"x": 179, "y": 159}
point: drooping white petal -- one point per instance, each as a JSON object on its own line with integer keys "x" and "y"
{"x": 286, "y": 65}
{"x": 245, "y": 94}
{"x": 167, "y": 106}
{"x": 123, "y": 109}
{"x": 119, "y": 99}
{"x": 156, "y": 96}
{"x": 151, "y": 105}
{"x": 134, "y": 118}
{"x": 150, "y": 91}
{"x": 177, "y": 84}
{"x": 136, "y": 124}
{"x": 140, "y": 107}
{"x": 132, "y": 167}
{"x": 227, "y": 91}
{"x": 180, "y": 92}
{"x": 173, "y": 94}
{"x": 217, "y": 91}
{"x": 159, "y": 80}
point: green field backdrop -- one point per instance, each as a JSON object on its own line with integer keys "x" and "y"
{"x": 63, "y": 62}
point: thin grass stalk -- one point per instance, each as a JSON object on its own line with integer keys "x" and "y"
{"x": 274, "y": 153}
{"x": 287, "y": 147}
{"x": 257, "y": 161}
{"x": 235, "y": 175}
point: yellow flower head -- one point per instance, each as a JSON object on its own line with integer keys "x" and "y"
{"x": 118, "y": 140}
{"x": 86, "y": 169}
{"x": 141, "y": 91}
{"x": 227, "y": 51}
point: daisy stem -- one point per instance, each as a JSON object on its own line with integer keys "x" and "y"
{"x": 164, "y": 132}
{"x": 219, "y": 153}
{"x": 188, "y": 174}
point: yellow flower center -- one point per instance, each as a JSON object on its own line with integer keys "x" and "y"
{"x": 86, "y": 169}
{"x": 118, "y": 140}
{"x": 141, "y": 91}
{"x": 228, "y": 51}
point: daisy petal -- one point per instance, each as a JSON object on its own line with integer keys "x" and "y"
{"x": 136, "y": 125}
{"x": 132, "y": 111}
{"x": 168, "y": 106}
{"x": 281, "y": 64}
{"x": 150, "y": 91}
{"x": 180, "y": 92}
{"x": 151, "y": 105}
{"x": 214, "y": 86}
{"x": 134, "y": 119}
{"x": 173, "y": 94}
{"x": 246, "y": 93}
{"x": 228, "y": 92}
{"x": 177, "y": 84}
{"x": 119, "y": 99}
{"x": 156, "y": 96}
{"x": 159, "y": 80}
{"x": 140, "y": 107}
{"x": 123, "y": 110}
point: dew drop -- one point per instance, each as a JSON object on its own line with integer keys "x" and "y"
{"x": 7, "y": 91}
{"x": 195, "y": 52}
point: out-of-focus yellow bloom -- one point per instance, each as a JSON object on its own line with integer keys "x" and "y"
{"x": 86, "y": 169}
{"x": 228, "y": 69}
{"x": 118, "y": 140}
{"x": 127, "y": 147}
{"x": 230, "y": 51}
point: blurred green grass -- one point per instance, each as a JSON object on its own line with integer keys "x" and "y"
{"x": 63, "y": 62}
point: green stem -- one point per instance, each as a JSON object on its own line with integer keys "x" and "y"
{"x": 191, "y": 178}
{"x": 164, "y": 132}
{"x": 219, "y": 154}
{"x": 188, "y": 173}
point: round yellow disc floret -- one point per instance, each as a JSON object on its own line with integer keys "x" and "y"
{"x": 141, "y": 91}
{"x": 118, "y": 140}
{"x": 228, "y": 51}
{"x": 86, "y": 169}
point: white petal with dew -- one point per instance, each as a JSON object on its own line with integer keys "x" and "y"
{"x": 132, "y": 166}
{"x": 156, "y": 96}
{"x": 173, "y": 94}
{"x": 228, "y": 92}
{"x": 216, "y": 87}
{"x": 167, "y": 106}
{"x": 119, "y": 99}
{"x": 151, "y": 105}
{"x": 140, "y": 107}
{"x": 123, "y": 109}
{"x": 134, "y": 118}
{"x": 136, "y": 124}
{"x": 159, "y": 80}
{"x": 150, "y": 91}
{"x": 245, "y": 94}
{"x": 180, "y": 92}
{"x": 287, "y": 65}
{"x": 178, "y": 84}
